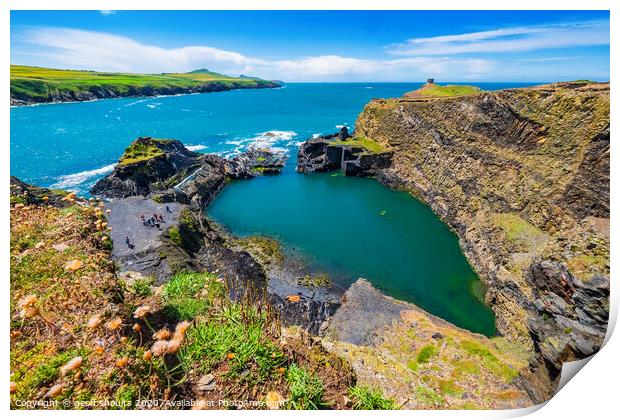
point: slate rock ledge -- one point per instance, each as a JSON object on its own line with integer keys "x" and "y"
{"x": 157, "y": 176}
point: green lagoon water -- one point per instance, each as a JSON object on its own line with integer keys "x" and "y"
{"x": 355, "y": 227}
{"x": 347, "y": 227}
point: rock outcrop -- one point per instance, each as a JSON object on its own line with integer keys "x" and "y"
{"x": 522, "y": 176}
{"x": 183, "y": 241}
{"x": 161, "y": 177}
{"x": 29, "y": 194}
{"x": 333, "y": 152}
{"x": 420, "y": 360}
{"x": 168, "y": 171}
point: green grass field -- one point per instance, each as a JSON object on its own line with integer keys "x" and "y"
{"x": 38, "y": 84}
{"x": 447, "y": 90}
{"x": 370, "y": 145}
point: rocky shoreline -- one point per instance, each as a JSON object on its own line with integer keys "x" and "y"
{"x": 60, "y": 96}
{"x": 156, "y": 176}
{"x": 527, "y": 194}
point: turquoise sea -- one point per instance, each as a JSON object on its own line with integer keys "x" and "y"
{"x": 346, "y": 227}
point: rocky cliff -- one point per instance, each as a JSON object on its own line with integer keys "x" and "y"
{"x": 20, "y": 97}
{"x": 354, "y": 157}
{"x": 522, "y": 176}
{"x": 162, "y": 177}
{"x": 167, "y": 170}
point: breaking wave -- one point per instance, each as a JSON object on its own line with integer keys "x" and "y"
{"x": 276, "y": 140}
{"x": 74, "y": 180}
{"x": 195, "y": 147}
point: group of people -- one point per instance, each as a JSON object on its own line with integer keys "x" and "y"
{"x": 153, "y": 221}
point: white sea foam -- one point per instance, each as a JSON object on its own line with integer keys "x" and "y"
{"x": 274, "y": 140}
{"x": 269, "y": 138}
{"x": 195, "y": 147}
{"x": 316, "y": 135}
{"x": 73, "y": 180}
{"x": 234, "y": 142}
{"x": 154, "y": 105}
{"x": 136, "y": 102}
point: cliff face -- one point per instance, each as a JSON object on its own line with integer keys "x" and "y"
{"x": 522, "y": 176}
{"x": 168, "y": 171}
{"x": 351, "y": 157}
{"x": 52, "y": 95}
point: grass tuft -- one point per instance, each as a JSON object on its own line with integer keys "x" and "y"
{"x": 306, "y": 390}
{"x": 234, "y": 336}
{"x": 426, "y": 353}
{"x": 365, "y": 398}
{"x": 187, "y": 294}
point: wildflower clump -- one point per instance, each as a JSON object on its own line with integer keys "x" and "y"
{"x": 167, "y": 342}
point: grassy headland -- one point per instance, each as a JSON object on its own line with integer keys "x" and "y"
{"x": 141, "y": 150}
{"x": 37, "y": 84}
{"x": 434, "y": 90}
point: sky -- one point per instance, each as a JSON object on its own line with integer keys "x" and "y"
{"x": 322, "y": 46}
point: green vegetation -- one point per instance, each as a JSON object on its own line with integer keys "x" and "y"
{"x": 38, "y": 84}
{"x": 188, "y": 294}
{"x": 187, "y": 220}
{"x": 126, "y": 396}
{"x": 57, "y": 318}
{"x": 447, "y": 90}
{"x": 520, "y": 232}
{"x": 489, "y": 360}
{"x": 465, "y": 367}
{"x": 427, "y": 396}
{"x": 365, "y": 398}
{"x": 237, "y": 335}
{"x": 412, "y": 365}
{"x": 315, "y": 280}
{"x": 266, "y": 250}
{"x": 448, "y": 387}
{"x": 140, "y": 150}
{"x": 46, "y": 372}
{"x": 142, "y": 286}
{"x": 175, "y": 235}
{"x": 426, "y": 353}
{"x": 306, "y": 390}
{"x": 79, "y": 333}
{"x": 370, "y": 145}
{"x": 585, "y": 265}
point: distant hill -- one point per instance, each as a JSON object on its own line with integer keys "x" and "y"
{"x": 209, "y": 72}
{"x": 31, "y": 85}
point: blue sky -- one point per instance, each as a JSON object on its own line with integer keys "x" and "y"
{"x": 536, "y": 46}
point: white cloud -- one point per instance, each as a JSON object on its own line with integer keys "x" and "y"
{"x": 72, "y": 48}
{"x": 508, "y": 40}
{"x": 107, "y": 12}
{"x": 549, "y": 59}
